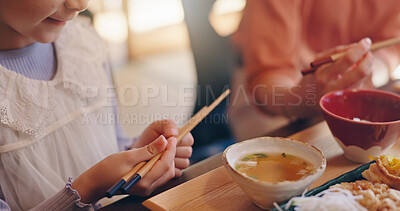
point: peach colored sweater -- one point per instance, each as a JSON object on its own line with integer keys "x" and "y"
{"x": 283, "y": 34}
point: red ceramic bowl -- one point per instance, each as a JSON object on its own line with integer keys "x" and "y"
{"x": 364, "y": 122}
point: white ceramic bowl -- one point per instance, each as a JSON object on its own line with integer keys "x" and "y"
{"x": 263, "y": 193}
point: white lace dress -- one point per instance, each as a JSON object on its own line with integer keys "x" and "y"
{"x": 51, "y": 130}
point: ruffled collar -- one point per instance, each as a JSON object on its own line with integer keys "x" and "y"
{"x": 25, "y": 104}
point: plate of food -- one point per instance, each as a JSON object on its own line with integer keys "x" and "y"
{"x": 372, "y": 186}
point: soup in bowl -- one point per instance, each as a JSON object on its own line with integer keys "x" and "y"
{"x": 280, "y": 167}
{"x": 273, "y": 169}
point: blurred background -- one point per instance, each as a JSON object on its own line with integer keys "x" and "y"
{"x": 170, "y": 58}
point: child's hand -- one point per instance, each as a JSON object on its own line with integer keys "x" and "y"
{"x": 183, "y": 153}
{"x": 93, "y": 184}
{"x": 168, "y": 129}
{"x": 164, "y": 127}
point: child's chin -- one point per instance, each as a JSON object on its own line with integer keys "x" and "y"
{"x": 48, "y": 37}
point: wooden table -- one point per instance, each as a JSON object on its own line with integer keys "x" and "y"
{"x": 215, "y": 190}
{"x": 193, "y": 171}
{"x": 313, "y": 131}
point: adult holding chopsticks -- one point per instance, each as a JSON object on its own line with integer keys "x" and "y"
{"x": 279, "y": 39}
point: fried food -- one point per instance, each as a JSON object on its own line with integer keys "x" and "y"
{"x": 376, "y": 196}
{"x": 385, "y": 170}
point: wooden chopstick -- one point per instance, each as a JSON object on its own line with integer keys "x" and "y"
{"x": 134, "y": 176}
{"x": 131, "y": 176}
{"x": 199, "y": 115}
{"x": 141, "y": 169}
{"x": 185, "y": 130}
{"x": 374, "y": 47}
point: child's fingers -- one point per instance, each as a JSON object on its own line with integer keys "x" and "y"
{"x": 148, "y": 184}
{"x": 148, "y": 151}
{"x": 178, "y": 172}
{"x": 168, "y": 157}
{"x": 167, "y": 127}
{"x": 167, "y": 176}
{"x": 183, "y": 152}
{"x": 181, "y": 163}
{"x": 162, "y": 167}
{"x": 170, "y": 128}
{"x": 187, "y": 140}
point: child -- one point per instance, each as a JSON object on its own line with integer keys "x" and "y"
{"x": 51, "y": 95}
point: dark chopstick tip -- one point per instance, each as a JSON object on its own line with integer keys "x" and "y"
{"x": 321, "y": 61}
{"x": 308, "y": 71}
{"x": 126, "y": 187}
{"x": 115, "y": 188}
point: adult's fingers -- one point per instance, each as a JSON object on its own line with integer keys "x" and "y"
{"x": 356, "y": 74}
{"x": 332, "y": 71}
{"x": 335, "y": 50}
{"x": 365, "y": 83}
{"x": 352, "y": 57}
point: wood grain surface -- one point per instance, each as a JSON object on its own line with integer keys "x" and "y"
{"x": 215, "y": 190}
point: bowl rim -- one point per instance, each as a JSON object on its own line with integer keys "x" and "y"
{"x": 357, "y": 90}
{"x": 319, "y": 169}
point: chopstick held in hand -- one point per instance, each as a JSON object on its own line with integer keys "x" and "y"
{"x": 132, "y": 177}
{"x": 141, "y": 169}
{"x": 196, "y": 119}
{"x": 374, "y": 47}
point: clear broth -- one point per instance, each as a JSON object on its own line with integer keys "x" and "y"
{"x": 274, "y": 167}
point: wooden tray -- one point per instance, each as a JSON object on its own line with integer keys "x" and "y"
{"x": 215, "y": 190}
